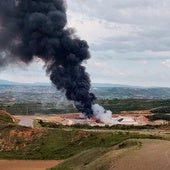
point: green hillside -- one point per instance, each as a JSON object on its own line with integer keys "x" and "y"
{"x": 19, "y": 142}
{"x": 118, "y": 105}
{"x": 5, "y": 117}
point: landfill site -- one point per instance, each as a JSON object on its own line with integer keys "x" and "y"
{"x": 125, "y": 118}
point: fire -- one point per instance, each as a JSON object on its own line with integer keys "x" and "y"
{"x": 94, "y": 120}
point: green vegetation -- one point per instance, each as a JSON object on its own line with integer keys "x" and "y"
{"x": 31, "y": 108}
{"x": 129, "y": 143}
{"x": 158, "y": 117}
{"x": 26, "y": 143}
{"x": 81, "y": 146}
{"x": 163, "y": 110}
{"x": 43, "y": 124}
{"x": 95, "y": 158}
{"x": 118, "y": 105}
{"x": 83, "y": 158}
{"x": 115, "y": 105}
{"x": 5, "y": 118}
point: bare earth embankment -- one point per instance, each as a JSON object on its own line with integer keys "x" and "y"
{"x": 153, "y": 155}
{"x": 81, "y": 149}
{"x": 27, "y": 164}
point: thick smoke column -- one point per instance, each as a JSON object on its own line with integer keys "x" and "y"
{"x": 37, "y": 28}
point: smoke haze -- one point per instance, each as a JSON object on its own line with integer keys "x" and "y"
{"x": 105, "y": 116}
{"x": 38, "y": 28}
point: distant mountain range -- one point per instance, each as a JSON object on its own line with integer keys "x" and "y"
{"x": 101, "y": 90}
{"x": 6, "y": 82}
{"x": 95, "y": 85}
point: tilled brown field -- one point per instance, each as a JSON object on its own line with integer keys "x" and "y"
{"x": 27, "y": 164}
{"x": 153, "y": 155}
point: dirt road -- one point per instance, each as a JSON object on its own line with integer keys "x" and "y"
{"x": 154, "y": 155}
{"x": 27, "y": 164}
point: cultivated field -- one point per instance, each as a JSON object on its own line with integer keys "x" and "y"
{"x": 26, "y": 165}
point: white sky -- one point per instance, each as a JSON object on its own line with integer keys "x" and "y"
{"x": 129, "y": 42}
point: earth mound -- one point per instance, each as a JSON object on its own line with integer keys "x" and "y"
{"x": 6, "y": 118}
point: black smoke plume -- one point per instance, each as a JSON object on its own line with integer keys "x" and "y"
{"x": 38, "y": 28}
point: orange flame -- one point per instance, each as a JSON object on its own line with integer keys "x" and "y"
{"x": 94, "y": 120}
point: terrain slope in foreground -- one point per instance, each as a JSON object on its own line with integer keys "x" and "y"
{"x": 6, "y": 118}
{"x": 154, "y": 154}
{"x": 151, "y": 155}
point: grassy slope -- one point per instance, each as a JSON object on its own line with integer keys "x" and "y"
{"x": 96, "y": 158}
{"x": 81, "y": 149}
{"x": 115, "y": 105}
{"x": 118, "y": 105}
{"x": 143, "y": 151}
{"x": 5, "y": 117}
{"x": 58, "y": 143}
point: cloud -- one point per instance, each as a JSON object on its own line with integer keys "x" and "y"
{"x": 129, "y": 42}
{"x": 127, "y": 11}
{"x": 25, "y": 74}
{"x": 123, "y": 26}
{"x": 166, "y": 63}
